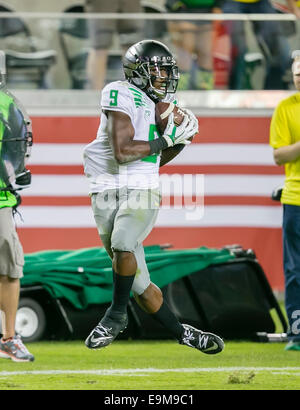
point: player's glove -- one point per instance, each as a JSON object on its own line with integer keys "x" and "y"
{"x": 175, "y": 134}
{"x": 184, "y": 132}
{"x": 192, "y": 127}
{"x": 23, "y": 180}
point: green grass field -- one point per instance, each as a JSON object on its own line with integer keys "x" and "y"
{"x": 153, "y": 365}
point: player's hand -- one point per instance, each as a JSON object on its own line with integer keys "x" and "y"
{"x": 191, "y": 128}
{"x": 175, "y": 134}
{"x": 194, "y": 125}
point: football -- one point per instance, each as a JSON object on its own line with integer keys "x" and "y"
{"x": 162, "y": 112}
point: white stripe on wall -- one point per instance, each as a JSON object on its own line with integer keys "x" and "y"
{"x": 223, "y": 154}
{"x": 222, "y": 216}
{"x": 195, "y": 154}
{"x": 239, "y": 185}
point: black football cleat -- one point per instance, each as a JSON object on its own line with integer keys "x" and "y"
{"x": 205, "y": 342}
{"x": 107, "y": 330}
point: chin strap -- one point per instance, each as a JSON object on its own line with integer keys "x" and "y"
{"x": 152, "y": 95}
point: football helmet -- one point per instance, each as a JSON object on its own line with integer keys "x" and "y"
{"x": 150, "y": 66}
{"x": 16, "y": 138}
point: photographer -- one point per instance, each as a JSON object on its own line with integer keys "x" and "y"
{"x": 15, "y": 143}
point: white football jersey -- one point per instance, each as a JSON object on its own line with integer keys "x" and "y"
{"x": 100, "y": 166}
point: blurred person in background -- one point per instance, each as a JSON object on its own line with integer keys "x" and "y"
{"x": 271, "y": 40}
{"x": 193, "y": 40}
{"x": 102, "y": 31}
{"x": 294, "y": 6}
{"x": 15, "y": 141}
{"x": 285, "y": 139}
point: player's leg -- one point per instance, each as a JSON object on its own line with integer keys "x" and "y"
{"x": 132, "y": 222}
{"x": 124, "y": 268}
{"x": 115, "y": 319}
{"x": 150, "y": 298}
{"x": 152, "y": 302}
{"x": 105, "y": 207}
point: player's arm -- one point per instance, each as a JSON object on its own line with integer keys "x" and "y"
{"x": 288, "y": 153}
{"x": 126, "y": 149}
{"x": 121, "y": 130}
{"x": 170, "y": 153}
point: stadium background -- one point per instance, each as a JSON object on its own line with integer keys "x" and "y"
{"x": 231, "y": 150}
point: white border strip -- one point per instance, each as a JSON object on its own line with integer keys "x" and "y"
{"x": 209, "y": 216}
{"x": 151, "y": 16}
{"x": 175, "y": 184}
{"x": 196, "y": 154}
{"x": 213, "y": 103}
{"x": 115, "y": 372}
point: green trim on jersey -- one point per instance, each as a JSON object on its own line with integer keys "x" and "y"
{"x": 139, "y": 98}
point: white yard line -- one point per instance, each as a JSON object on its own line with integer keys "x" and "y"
{"x": 146, "y": 371}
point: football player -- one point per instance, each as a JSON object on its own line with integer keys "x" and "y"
{"x": 122, "y": 165}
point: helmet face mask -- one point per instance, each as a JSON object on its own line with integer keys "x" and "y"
{"x": 15, "y": 142}
{"x": 149, "y": 65}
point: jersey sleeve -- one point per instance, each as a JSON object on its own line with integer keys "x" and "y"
{"x": 116, "y": 97}
{"x": 279, "y": 131}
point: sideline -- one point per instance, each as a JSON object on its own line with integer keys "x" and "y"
{"x": 295, "y": 371}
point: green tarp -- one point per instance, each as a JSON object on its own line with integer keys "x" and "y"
{"x": 84, "y": 277}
